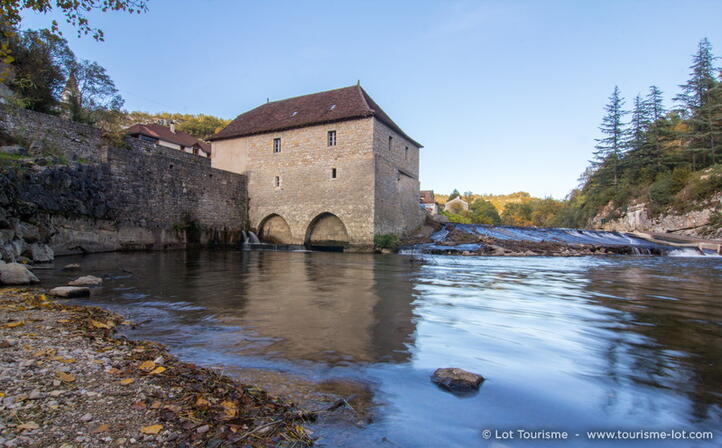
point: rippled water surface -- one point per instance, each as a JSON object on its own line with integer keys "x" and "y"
{"x": 572, "y": 344}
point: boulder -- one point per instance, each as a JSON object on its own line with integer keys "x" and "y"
{"x": 16, "y": 274}
{"x": 70, "y": 291}
{"x": 71, "y": 267}
{"x": 457, "y": 380}
{"x": 87, "y": 280}
{"x": 42, "y": 253}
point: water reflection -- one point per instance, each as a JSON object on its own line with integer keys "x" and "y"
{"x": 566, "y": 343}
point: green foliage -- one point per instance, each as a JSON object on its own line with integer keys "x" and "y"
{"x": 200, "y": 126}
{"x": 386, "y": 242}
{"x": 484, "y": 212}
{"x": 462, "y": 217}
{"x": 454, "y": 194}
{"x": 663, "y": 155}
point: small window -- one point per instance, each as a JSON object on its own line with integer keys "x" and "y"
{"x": 331, "y": 138}
{"x": 195, "y": 151}
{"x": 406, "y": 152}
{"x": 277, "y": 181}
{"x": 333, "y": 173}
{"x": 276, "y": 145}
{"x": 391, "y": 139}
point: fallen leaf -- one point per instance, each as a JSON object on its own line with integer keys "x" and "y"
{"x": 29, "y": 426}
{"x": 63, "y": 360}
{"x": 63, "y": 321}
{"x": 15, "y": 324}
{"x": 158, "y": 370}
{"x": 97, "y": 324}
{"x": 202, "y": 402}
{"x": 65, "y": 377}
{"x": 114, "y": 371}
{"x": 125, "y": 322}
{"x": 152, "y": 429}
{"x": 44, "y": 352}
{"x": 147, "y": 366}
{"x": 229, "y": 408}
{"x": 99, "y": 429}
{"x": 156, "y": 404}
{"x": 2, "y": 394}
{"x": 127, "y": 381}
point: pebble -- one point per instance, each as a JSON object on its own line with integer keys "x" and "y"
{"x": 86, "y": 418}
{"x": 203, "y": 429}
{"x": 34, "y": 395}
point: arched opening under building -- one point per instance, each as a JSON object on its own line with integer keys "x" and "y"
{"x": 274, "y": 230}
{"x": 327, "y": 232}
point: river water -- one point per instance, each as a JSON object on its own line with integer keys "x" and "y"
{"x": 566, "y": 344}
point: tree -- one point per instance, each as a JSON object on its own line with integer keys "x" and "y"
{"x": 89, "y": 92}
{"x": 610, "y": 147}
{"x": 484, "y": 212}
{"x": 40, "y": 66}
{"x": 654, "y": 103}
{"x": 75, "y": 13}
{"x": 454, "y": 194}
{"x": 700, "y": 106}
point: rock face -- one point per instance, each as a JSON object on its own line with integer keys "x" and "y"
{"x": 457, "y": 380}
{"x": 637, "y": 218}
{"x": 70, "y": 291}
{"x": 16, "y": 274}
{"x": 87, "y": 280}
{"x": 42, "y": 253}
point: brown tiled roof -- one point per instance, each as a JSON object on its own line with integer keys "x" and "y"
{"x": 317, "y": 108}
{"x": 427, "y": 196}
{"x": 164, "y": 133}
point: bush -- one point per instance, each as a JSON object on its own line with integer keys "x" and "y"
{"x": 386, "y": 242}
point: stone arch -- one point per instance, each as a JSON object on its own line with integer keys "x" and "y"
{"x": 275, "y": 230}
{"x": 327, "y": 231}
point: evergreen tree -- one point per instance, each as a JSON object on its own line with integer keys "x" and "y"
{"x": 454, "y": 194}
{"x": 610, "y": 147}
{"x": 699, "y": 106}
{"x": 655, "y": 104}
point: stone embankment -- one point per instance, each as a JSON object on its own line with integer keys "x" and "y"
{"x": 66, "y": 188}
{"x": 67, "y": 380}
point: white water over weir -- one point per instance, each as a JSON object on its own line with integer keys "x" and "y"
{"x": 508, "y": 235}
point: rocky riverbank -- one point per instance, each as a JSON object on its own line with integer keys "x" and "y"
{"x": 68, "y": 380}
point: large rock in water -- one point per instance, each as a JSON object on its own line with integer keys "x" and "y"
{"x": 87, "y": 280}
{"x": 457, "y": 380}
{"x": 16, "y": 274}
{"x": 70, "y": 291}
{"x": 42, "y": 253}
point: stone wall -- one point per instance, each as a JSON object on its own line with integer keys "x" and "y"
{"x": 397, "y": 193}
{"x": 137, "y": 196}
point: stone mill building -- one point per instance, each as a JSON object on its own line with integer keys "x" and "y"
{"x": 330, "y": 169}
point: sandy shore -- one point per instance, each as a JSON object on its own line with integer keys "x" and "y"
{"x": 67, "y": 380}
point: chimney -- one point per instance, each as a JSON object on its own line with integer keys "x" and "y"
{"x": 172, "y": 126}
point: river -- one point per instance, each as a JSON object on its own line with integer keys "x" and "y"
{"x": 566, "y": 344}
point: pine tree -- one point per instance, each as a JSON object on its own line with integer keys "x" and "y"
{"x": 699, "y": 106}
{"x": 637, "y": 139}
{"x": 655, "y": 103}
{"x": 609, "y": 149}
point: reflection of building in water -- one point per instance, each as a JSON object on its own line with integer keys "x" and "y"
{"x": 671, "y": 343}
{"x": 328, "y": 307}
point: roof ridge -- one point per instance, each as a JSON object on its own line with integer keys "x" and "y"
{"x": 308, "y": 94}
{"x": 363, "y": 94}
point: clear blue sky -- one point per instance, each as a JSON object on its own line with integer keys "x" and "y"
{"x": 504, "y": 95}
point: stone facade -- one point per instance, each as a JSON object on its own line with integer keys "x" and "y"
{"x": 137, "y": 196}
{"x": 375, "y": 190}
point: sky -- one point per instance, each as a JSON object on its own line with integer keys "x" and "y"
{"x": 505, "y": 96}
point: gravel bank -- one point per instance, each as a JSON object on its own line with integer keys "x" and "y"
{"x": 66, "y": 380}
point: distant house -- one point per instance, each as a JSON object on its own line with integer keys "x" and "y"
{"x": 428, "y": 202}
{"x": 456, "y": 205}
{"x": 169, "y": 137}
